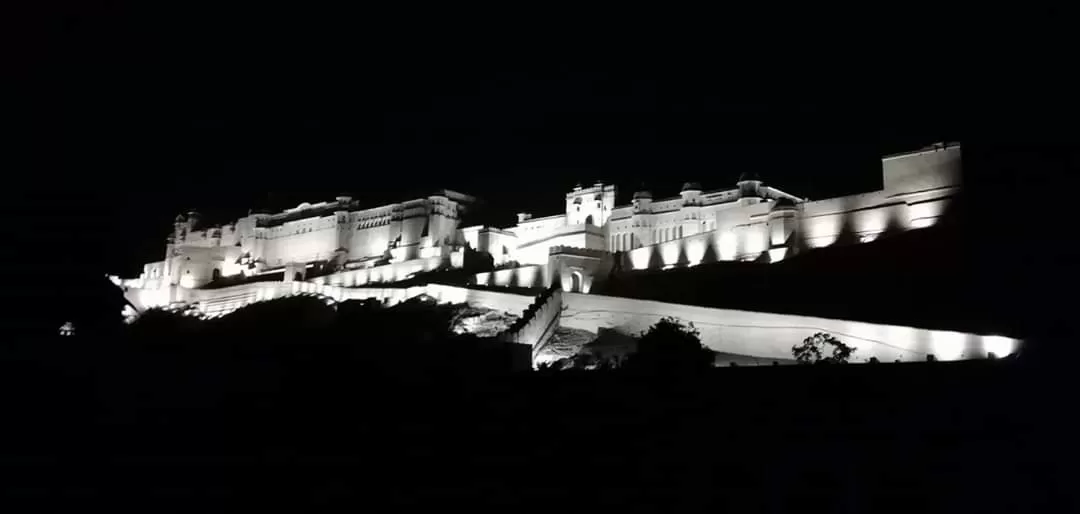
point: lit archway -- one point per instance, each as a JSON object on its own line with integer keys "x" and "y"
{"x": 576, "y": 281}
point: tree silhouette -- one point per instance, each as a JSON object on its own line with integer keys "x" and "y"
{"x": 813, "y": 348}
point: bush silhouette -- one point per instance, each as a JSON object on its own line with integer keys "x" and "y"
{"x": 412, "y": 339}
{"x": 669, "y": 346}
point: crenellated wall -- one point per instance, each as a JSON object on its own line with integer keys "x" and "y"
{"x": 217, "y": 302}
{"x": 538, "y": 323}
{"x": 755, "y": 334}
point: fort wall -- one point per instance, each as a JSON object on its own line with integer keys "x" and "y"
{"x": 771, "y": 336}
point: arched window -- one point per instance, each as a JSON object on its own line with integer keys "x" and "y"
{"x": 298, "y": 277}
{"x": 216, "y": 274}
{"x": 589, "y": 220}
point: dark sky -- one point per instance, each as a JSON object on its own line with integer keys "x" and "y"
{"x": 136, "y": 112}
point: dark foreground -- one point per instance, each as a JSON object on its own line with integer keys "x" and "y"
{"x": 305, "y": 427}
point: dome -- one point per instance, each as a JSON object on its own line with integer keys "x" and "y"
{"x": 747, "y": 176}
{"x": 642, "y": 194}
{"x": 691, "y": 186}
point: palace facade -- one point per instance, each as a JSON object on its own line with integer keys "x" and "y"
{"x": 354, "y": 246}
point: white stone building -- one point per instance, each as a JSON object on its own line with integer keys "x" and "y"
{"x": 339, "y": 235}
{"x": 750, "y": 221}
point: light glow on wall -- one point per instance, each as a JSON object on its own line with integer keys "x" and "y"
{"x": 695, "y": 250}
{"x": 998, "y": 345}
{"x": 669, "y": 252}
{"x": 777, "y": 254}
{"x": 923, "y": 214}
{"x": 187, "y": 281}
{"x": 727, "y": 246}
{"x": 823, "y": 231}
{"x": 755, "y": 242}
{"x": 527, "y": 276}
{"x": 947, "y": 346}
{"x": 872, "y": 221}
{"x": 639, "y": 258}
{"x": 922, "y": 222}
{"x": 861, "y": 336}
{"x": 823, "y": 241}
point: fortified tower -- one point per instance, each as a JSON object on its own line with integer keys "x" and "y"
{"x": 640, "y": 220}
{"x": 691, "y": 209}
{"x": 344, "y": 229}
{"x": 590, "y": 205}
{"x": 749, "y": 186}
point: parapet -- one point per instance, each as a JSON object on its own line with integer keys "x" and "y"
{"x": 580, "y": 252}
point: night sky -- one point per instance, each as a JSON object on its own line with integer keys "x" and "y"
{"x": 136, "y": 113}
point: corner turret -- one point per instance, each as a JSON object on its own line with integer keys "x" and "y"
{"x": 642, "y": 202}
{"x": 691, "y": 193}
{"x": 749, "y": 185}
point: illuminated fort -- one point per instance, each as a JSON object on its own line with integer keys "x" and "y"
{"x": 344, "y": 249}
